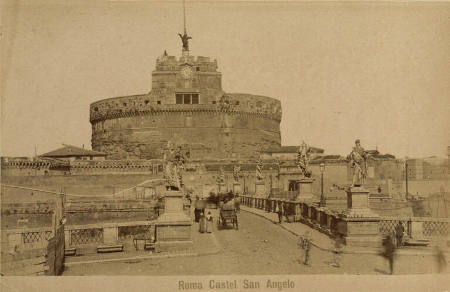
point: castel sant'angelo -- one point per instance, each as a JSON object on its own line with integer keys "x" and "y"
{"x": 186, "y": 107}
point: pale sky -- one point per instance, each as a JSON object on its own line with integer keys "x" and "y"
{"x": 379, "y": 72}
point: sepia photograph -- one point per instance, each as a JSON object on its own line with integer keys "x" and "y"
{"x": 225, "y": 145}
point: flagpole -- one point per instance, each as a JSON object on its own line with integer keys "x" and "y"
{"x": 184, "y": 15}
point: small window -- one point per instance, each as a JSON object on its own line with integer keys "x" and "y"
{"x": 96, "y": 109}
{"x": 214, "y": 102}
{"x": 198, "y": 68}
{"x": 237, "y": 102}
{"x": 124, "y": 104}
{"x": 179, "y": 99}
{"x": 158, "y": 102}
{"x": 195, "y": 98}
{"x": 147, "y": 101}
{"x": 187, "y": 98}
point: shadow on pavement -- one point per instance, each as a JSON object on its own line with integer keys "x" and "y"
{"x": 381, "y": 271}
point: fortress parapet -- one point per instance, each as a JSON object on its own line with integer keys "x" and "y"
{"x": 239, "y": 104}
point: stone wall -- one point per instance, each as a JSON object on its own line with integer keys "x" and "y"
{"x": 208, "y": 131}
{"x": 89, "y": 212}
{"x": 87, "y": 185}
{"x": 152, "y": 167}
{"x": 31, "y": 168}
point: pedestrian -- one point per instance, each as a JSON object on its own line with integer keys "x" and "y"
{"x": 337, "y": 251}
{"x": 209, "y": 222}
{"x": 279, "y": 211}
{"x": 399, "y": 230}
{"x": 189, "y": 199}
{"x": 286, "y": 212}
{"x": 197, "y": 214}
{"x": 305, "y": 245}
{"x": 237, "y": 204}
{"x": 197, "y": 209}
{"x": 202, "y": 223}
{"x": 389, "y": 250}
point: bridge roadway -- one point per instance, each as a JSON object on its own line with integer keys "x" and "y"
{"x": 258, "y": 247}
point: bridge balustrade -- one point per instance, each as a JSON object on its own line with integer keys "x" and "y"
{"x": 326, "y": 220}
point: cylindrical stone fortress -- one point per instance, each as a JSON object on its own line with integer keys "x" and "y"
{"x": 187, "y": 107}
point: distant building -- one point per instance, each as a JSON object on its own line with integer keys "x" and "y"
{"x": 435, "y": 168}
{"x": 415, "y": 168}
{"x": 71, "y": 153}
{"x": 430, "y": 168}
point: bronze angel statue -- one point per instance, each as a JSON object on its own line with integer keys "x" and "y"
{"x": 185, "y": 40}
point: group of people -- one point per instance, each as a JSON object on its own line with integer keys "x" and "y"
{"x": 282, "y": 210}
{"x": 205, "y": 223}
{"x": 390, "y": 244}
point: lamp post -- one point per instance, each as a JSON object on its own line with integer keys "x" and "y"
{"x": 322, "y": 198}
{"x": 406, "y": 179}
{"x": 270, "y": 190}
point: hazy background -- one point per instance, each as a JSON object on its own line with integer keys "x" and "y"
{"x": 375, "y": 71}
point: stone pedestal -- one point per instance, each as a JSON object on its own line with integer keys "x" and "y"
{"x": 14, "y": 240}
{"x": 304, "y": 187}
{"x": 361, "y": 223}
{"x": 67, "y": 238}
{"x": 417, "y": 230}
{"x": 173, "y": 228}
{"x": 139, "y": 192}
{"x": 260, "y": 189}
{"x": 110, "y": 233}
{"x": 222, "y": 188}
{"x": 358, "y": 203}
{"x": 148, "y": 192}
{"x": 237, "y": 188}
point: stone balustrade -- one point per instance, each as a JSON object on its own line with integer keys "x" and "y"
{"x": 78, "y": 235}
{"x": 106, "y": 233}
{"x": 28, "y": 238}
{"x": 326, "y": 220}
{"x": 322, "y": 219}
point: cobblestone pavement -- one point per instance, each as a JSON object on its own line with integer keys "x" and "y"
{"x": 258, "y": 247}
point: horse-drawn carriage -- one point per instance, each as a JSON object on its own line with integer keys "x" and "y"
{"x": 228, "y": 215}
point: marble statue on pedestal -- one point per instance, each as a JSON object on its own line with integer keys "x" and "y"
{"x": 303, "y": 158}
{"x": 173, "y": 165}
{"x": 358, "y": 161}
{"x": 236, "y": 173}
{"x": 259, "y": 167}
{"x": 221, "y": 176}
